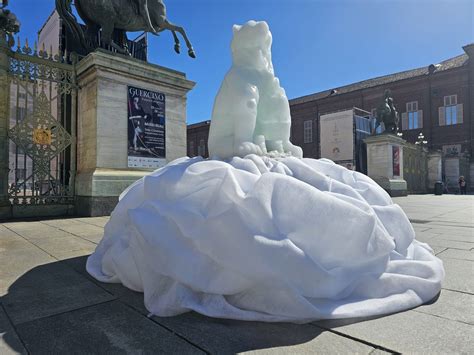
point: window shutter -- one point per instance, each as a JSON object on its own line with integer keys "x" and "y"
{"x": 459, "y": 113}
{"x": 420, "y": 118}
{"x": 404, "y": 120}
{"x": 442, "y": 116}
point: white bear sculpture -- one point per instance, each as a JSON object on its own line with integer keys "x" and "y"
{"x": 267, "y": 236}
{"x": 251, "y": 113}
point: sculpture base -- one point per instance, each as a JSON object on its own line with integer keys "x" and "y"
{"x": 385, "y": 162}
{"x": 103, "y": 161}
{"x": 194, "y": 211}
{"x": 395, "y": 188}
{"x": 98, "y": 190}
{"x": 95, "y": 206}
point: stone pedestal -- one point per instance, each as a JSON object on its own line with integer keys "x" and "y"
{"x": 435, "y": 169}
{"x": 385, "y": 162}
{"x": 102, "y": 149}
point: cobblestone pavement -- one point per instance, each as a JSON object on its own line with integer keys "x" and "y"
{"x": 48, "y": 303}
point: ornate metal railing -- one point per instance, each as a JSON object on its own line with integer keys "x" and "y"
{"x": 42, "y": 120}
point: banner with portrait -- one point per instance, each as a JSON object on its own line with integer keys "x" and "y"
{"x": 146, "y": 128}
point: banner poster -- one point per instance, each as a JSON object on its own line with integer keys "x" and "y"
{"x": 146, "y": 128}
{"x": 337, "y": 137}
{"x": 396, "y": 160}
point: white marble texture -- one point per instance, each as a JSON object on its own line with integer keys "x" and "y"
{"x": 251, "y": 114}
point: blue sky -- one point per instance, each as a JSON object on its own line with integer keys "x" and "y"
{"x": 317, "y": 44}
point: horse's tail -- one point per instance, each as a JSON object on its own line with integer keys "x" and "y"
{"x": 63, "y": 7}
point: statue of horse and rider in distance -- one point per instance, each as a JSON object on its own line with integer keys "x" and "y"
{"x": 387, "y": 114}
{"x": 9, "y": 24}
{"x": 114, "y": 18}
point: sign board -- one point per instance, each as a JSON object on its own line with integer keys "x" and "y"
{"x": 146, "y": 128}
{"x": 337, "y": 137}
{"x": 395, "y": 160}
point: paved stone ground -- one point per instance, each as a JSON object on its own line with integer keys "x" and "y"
{"x": 48, "y": 304}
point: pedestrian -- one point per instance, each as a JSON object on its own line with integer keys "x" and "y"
{"x": 462, "y": 185}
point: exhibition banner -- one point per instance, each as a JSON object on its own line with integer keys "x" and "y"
{"x": 337, "y": 137}
{"x": 396, "y": 160}
{"x": 146, "y": 128}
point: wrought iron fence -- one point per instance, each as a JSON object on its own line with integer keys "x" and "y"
{"x": 42, "y": 125}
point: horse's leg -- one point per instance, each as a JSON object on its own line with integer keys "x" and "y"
{"x": 107, "y": 32}
{"x": 168, "y": 25}
{"x": 91, "y": 33}
{"x": 176, "y": 42}
{"x": 123, "y": 40}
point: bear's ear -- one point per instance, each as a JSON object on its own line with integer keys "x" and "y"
{"x": 236, "y": 28}
{"x": 263, "y": 25}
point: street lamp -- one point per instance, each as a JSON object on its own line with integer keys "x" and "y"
{"x": 421, "y": 140}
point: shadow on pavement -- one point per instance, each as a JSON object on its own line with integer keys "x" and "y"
{"x": 58, "y": 307}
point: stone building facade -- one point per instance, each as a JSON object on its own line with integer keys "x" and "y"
{"x": 197, "y": 135}
{"x": 436, "y": 100}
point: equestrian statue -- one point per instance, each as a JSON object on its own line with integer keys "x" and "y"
{"x": 9, "y": 24}
{"x": 114, "y": 18}
{"x": 387, "y": 114}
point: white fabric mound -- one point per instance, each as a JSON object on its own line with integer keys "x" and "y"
{"x": 257, "y": 238}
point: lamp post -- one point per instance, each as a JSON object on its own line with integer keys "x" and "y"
{"x": 420, "y": 140}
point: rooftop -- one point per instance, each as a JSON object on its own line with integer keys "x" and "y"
{"x": 199, "y": 124}
{"x": 452, "y": 63}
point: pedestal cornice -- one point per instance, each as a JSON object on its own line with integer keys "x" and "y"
{"x": 385, "y": 138}
{"x": 146, "y": 72}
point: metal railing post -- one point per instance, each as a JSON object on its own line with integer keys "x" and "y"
{"x": 4, "y": 124}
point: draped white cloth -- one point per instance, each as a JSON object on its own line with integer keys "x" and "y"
{"x": 258, "y": 238}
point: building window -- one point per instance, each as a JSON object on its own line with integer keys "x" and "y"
{"x": 21, "y": 113}
{"x": 307, "y": 131}
{"x": 191, "y": 149}
{"x": 202, "y": 148}
{"x": 450, "y": 109}
{"x": 412, "y": 112}
{"x": 412, "y": 118}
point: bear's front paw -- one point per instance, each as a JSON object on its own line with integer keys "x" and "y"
{"x": 247, "y": 148}
{"x": 293, "y": 149}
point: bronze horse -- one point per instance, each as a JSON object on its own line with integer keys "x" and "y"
{"x": 387, "y": 114}
{"x": 9, "y": 24}
{"x": 118, "y": 17}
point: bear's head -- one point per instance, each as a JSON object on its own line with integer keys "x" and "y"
{"x": 251, "y": 45}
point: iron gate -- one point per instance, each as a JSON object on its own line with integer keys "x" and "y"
{"x": 415, "y": 169}
{"x": 42, "y": 130}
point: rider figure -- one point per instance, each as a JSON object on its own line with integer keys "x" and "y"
{"x": 387, "y": 114}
